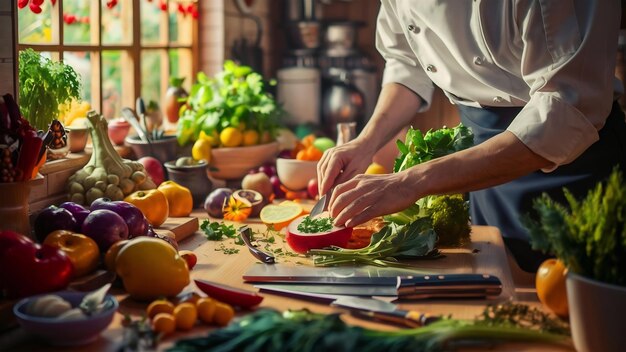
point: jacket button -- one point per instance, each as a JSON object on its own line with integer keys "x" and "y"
{"x": 413, "y": 28}
{"x": 431, "y": 68}
{"x": 497, "y": 99}
{"x": 478, "y": 60}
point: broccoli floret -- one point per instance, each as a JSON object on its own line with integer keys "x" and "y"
{"x": 450, "y": 217}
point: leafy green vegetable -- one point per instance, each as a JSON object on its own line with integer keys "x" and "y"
{"x": 418, "y": 148}
{"x": 44, "y": 85}
{"x": 589, "y": 236}
{"x": 391, "y": 243}
{"x": 303, "y": 331}
{"x": 233, "y": 97}
{"x": 317, "y": 225}
{"x": 216, "y": 231}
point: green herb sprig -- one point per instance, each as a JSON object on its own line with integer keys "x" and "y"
{"x": 216, "y": 231}
{"x": 315, "y": 225}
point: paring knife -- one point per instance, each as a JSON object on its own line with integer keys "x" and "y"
{"x": 403, "y": 287}
{"x": 363, "y": 307}
{"x": 321, "y": 205}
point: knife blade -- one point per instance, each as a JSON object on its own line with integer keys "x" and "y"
{"x": 384, "y": 311}
{"x": 367, "y": 307}
{"x": 350, "y": 290}
{"x": 321, "y": 205}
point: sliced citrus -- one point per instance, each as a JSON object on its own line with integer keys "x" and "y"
{"x": 279, "y": 216}
{"x": 375, "y": 168}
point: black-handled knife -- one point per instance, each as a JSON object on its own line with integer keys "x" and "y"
{"x": 448, "y": 286}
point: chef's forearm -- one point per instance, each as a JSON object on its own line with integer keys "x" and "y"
{"x": 395, "y": 109}
{"x": 501, "y": 159}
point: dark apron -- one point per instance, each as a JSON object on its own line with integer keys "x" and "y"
{"x": 502, "y": 206}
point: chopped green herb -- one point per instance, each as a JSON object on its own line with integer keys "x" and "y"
{"x": 226, "y": 250}
{"x": 215, "y": 231}
{"x": 317, "y": 225}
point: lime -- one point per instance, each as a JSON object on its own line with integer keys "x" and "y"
{"x": 323, "y": 143}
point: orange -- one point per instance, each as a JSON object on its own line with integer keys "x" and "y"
{"x": 250, "y": 137}
{"x": 308, "y": 140}
{"x": 224, "y": 313}
{"x": 313, "y": 154}
{"x": 301, "y": 155}
{"x": 375, "y": 168}
{"x": 279, "y": 216}
{"x": 159, "y": 306}
{"x": 231, "y": 137}
{"x": 551, "y": 290}
{"x": 186, "y": 315}
{"x": 111, "y": 254}
{"x": 164, "y": 323}
{"x": 206, "y": 309}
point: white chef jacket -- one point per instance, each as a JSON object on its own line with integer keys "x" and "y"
{"x": 555, "y": 58}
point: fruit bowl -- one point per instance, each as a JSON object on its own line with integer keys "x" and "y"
{"x": 295, "y": 174}
{"x": 234, "y": 163}
{"x": 70, "y": 332}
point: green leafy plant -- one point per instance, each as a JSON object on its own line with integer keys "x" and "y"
{"x": 216, "y": 231}
{"x": 589, "y": 235}
{"x": 44, "y": 85}
{"x": 235, "y": 97}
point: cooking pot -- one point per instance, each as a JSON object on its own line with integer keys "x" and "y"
{"x": 342, "y": 102}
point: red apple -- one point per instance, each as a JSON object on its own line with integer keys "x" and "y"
{"x": 154, "y": 168}
{"x": 312, "y": 188}
{"x": 301, "y": 242}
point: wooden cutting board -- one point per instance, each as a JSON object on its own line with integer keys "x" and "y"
{"x": 181, "y": 227}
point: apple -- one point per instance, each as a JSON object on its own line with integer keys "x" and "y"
{"x": 301, "y": 242}
{"x": 34, "y": 269}
{"x": 82, "y": 250}
{"x": 154, "y": 168}
{"x": 312, "y": 188}
{"x": 105, "y": 227}
{"x": 78, "y": 211}
{"x": 51, "y": 219}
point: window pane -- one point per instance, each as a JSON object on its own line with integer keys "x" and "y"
{"x": 181, "y": 65}
{"x": 174, "y": 63}
{"x": 151, "y": 80}
{"x": 35, "y": 28}
{"x": 173, "y": 18}
{"x": 81, "y": 62}
{"x": 117, "y": 23}
{"x": 151, "y": 19}
{"x": 76, "y": 26}
{"x": 111, "y": 83}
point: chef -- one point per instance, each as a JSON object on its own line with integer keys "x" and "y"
{"x": 534, "y": 80}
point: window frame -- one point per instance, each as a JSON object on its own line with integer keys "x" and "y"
{"x": 131, "y": 52}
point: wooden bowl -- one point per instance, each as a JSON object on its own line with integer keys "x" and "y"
{"x": 234, "y": 163}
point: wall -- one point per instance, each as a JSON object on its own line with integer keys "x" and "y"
{"x": 7, "y": 48}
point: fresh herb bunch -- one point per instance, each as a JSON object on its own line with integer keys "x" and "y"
{"x": 317, "y": 225}
{"x": 234, "y": 97}
{"x": 391, "y": 243}
{"x": 44, "y": 85}
{"x": 303, "y": 331}
{"x": 216, "y": 231}
{"x": 419, "y": 148}
{"x": 589, "y": 236}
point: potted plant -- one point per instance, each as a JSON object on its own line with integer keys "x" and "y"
{"x": 44, "y": 85}
{"x": 589, "y": 236}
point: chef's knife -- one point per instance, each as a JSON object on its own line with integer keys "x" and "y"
{"x": 403, "y": 287}
{"x": 321, "y": 205}
{"x": 365, "y": 307}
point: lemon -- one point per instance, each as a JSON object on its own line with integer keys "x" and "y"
{"x": 250, "y": 137}
{"x": 375, "y": 168}
{"x": 231, "y": 137}
{"x": 212, "y": 137}
{"x": 201, "y": 150}
{"x": 279, "y": 216}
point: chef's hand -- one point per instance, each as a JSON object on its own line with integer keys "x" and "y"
{"x": 367, "y": 196}
{"x": 342, "y": 163}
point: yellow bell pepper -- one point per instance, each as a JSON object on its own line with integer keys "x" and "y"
{"x": 152, "y": 204}
{"x": 179, "y": 198}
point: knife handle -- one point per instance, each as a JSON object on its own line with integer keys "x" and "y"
{"x": 448, "y": 286}
{"x": 409, "y": 318}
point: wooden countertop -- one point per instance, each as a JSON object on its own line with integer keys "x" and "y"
{"x": 487, "y": 254}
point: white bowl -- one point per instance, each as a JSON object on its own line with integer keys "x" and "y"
{"x": 295, "y": 174}
{"x": 234, "y": 163}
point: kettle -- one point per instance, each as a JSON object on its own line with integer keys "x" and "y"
{"x": 342, "y": 102}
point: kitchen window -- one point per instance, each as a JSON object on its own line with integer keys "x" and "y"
{"x": 121, "y": 49}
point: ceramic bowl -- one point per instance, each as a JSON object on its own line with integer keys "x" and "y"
{"x": 162, "y": 149}
{"x": 118, "y": 130}
{"x": 71, "y": 332}
{"x": 234, "y": 163}
{"x": 295, "y": 174}
{"x": 193, "y": 177}
{"x": 77, "y": 138}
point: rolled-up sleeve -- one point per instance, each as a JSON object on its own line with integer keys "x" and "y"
{"x": 401, "y": 65}
{"x": 568, "y": 62}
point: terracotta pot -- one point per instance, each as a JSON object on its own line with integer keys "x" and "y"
{"x": 597, "y": 313}
{"x": 14, "y": 207}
